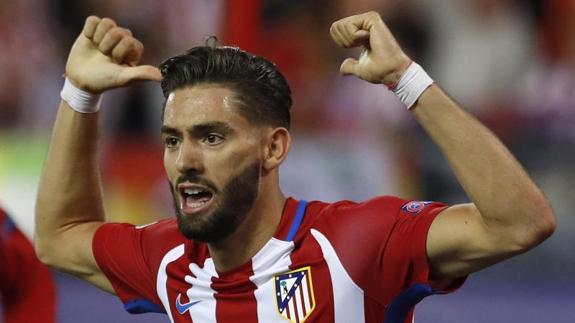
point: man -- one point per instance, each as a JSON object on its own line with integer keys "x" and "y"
{"x": 27, "y": 291}
{"x": 239, "y": 250}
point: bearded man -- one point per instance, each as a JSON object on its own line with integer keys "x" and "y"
{"x": 238, "y": 249}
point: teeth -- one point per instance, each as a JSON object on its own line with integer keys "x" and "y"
{"x": 194, "y": 199}
{"x": 195, "y": 204}
{"x": 191, "y": 191}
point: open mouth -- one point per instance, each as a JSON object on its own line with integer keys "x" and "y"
{"x": 194, "y": 198}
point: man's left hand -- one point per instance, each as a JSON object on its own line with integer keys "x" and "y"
{"x": 382, "y": 60}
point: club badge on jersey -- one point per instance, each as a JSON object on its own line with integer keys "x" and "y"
{"x": 294, "y": 294}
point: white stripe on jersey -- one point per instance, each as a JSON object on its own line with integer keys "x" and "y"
{"x": 201, "y": 290}
{"x": 348, "y": 306}
{"x": 305, "y": 291}
{"x": 162, "y": 279}
{"x": 300, "y": 313}
{"x": 272, "y": 259}
{"x": 291, "y": 310}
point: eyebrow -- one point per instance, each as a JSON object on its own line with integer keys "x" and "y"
{"x": 169, "y": 131}
{"x": 201, "y": 129}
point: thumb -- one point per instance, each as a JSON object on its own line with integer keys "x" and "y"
{"x": 361, "y": 34}
{"x": 140, "y": 73}
{"x": 348, "y": 67}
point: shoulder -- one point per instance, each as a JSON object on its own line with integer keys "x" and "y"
{"x": 153, "y": 238}
{"x": 120, "y": 246}
{"x": 380, "y": 206}
{"x": 344, "y": 220}
{"x": 161, "y": 227}
{"x": 370, "y": 222}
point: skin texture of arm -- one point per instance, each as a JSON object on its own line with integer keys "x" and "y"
{"x": 69, "y": 206}
{"x": 508, "y": 214}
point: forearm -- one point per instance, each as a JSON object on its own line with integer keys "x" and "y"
{"x": 495, "y": 182}
{"x": 70, "y": 190}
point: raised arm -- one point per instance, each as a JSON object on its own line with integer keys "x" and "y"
{"x": 509, "y": 214}
{"x": 69, "y": 205}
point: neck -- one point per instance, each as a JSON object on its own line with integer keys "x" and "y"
{"x": 256, "y": 230}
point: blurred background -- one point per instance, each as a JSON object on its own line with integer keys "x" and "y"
{"x": 510, "y": 62}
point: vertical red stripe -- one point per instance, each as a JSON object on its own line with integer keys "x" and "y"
{"x": 287, "y": 312}
{"x": 320, "y": 277}
{"x": 243, "y": 24}
{"x": 288, "y": 214}
{"x": 178, "y": 286}
{"x": 296, "y": 313}
{"x": 177, "y": 271}
{"x": 235, "y": 299}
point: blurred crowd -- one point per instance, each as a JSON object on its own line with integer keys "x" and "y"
{"x": 509, "y": 62}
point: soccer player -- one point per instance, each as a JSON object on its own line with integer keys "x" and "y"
{"x": 27, "y": 291}
{"x": 238, "y": 249}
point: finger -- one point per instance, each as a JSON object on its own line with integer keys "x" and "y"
{"x": 361, "y": 34}
{"x": 90, "y": 26}
{"x": 366, "y": 20}
{"x": 356, "y": 35}
{"x": 349, "y": 34}
{"x": 140, "y": 73}
{"x": 128, "y": 51}
{"x": 337, "y": 36}
{"x": 111, "y": 39}
{"x": 103, "y": 27}
{"x": 346, "y": 35}
{"x": 126, "y": 31}
{"x": 334, "y": 34}
{"x": 349, "y": 67}
{"x": 342, "y": 42}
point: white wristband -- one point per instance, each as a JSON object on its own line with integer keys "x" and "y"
{"x": 80, "y": 100}
{"x": 412, "y": 84}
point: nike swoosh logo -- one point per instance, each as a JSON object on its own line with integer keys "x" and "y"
{"x": 183, "y": 308}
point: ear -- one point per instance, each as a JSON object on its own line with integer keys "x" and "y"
{"x": 277, "y": 144}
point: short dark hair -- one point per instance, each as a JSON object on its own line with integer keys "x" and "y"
{"x": 260, "y": 87}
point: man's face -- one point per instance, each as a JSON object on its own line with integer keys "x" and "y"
{"x": 212, "y": 159}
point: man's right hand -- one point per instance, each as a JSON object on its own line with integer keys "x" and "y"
{"x": 106, "y": 56}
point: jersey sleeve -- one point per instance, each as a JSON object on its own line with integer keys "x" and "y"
{"x": 404, "y": 266}
{"x": 119, "y": 252}
{"x": 405, "y": 252}
{"x": 391, "y": 265}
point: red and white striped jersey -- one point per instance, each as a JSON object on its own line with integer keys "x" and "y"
{"x": 327, "y": 262}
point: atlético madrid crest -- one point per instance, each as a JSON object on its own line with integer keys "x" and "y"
{"x": 294, "y": 294}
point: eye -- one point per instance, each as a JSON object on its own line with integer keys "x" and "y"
{"x": 213, "y": 139}
{"x": 171, "y": 142}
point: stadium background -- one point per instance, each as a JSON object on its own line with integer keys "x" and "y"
{"x": 512, "y": 63}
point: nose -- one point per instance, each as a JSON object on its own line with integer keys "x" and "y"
{"x": 190, "y": 158}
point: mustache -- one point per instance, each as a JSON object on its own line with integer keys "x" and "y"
{"x": 195, "y": 178}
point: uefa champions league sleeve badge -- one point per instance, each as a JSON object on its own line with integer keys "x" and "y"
{"x": 414, "y": 207}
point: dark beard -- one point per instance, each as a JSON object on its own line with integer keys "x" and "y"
{"x": 232, "y": 207}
